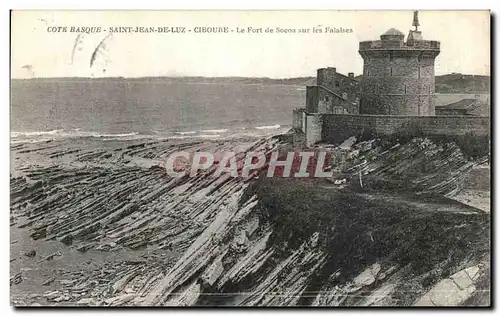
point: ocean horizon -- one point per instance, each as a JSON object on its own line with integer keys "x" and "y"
{"x": 42, "y": 110}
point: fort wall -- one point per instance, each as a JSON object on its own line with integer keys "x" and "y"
{"x": 326, "y": 77}
{"x": 398, "y": 77}
{"x": 314, "y": 129}
{"x": 396, "y": 94}
{"x": 321, "y": 100}
{"x": 396, "y": 83}
{"x": 337, "y": 128}
{"x": 333, "y": 128}
{"x": 308, "y": 128}
{"x": 312, "y": 99}
{"x": 345, "y": 86}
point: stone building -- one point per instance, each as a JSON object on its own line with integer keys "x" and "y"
{"x": 397, "y": 89}
{"x": 398, "y": 76}
{"x": 334, "y": 93}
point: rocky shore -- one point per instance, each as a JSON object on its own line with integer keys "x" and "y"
{"x": 98, "y": 222}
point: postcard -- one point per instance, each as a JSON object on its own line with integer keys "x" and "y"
{"x": 250, "y": 158}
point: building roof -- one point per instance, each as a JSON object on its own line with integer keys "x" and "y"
{"x": 393, "y": 31}
{"x": 335, "y": 94}
{"x": 463, "y": 104}
{"x": 476, "y": 107}
{"x": 347, "y": 77}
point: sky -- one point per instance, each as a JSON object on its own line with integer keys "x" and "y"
{"x": 36, "y": 52}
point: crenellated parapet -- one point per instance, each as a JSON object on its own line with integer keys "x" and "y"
{"x": 398, "y": 75}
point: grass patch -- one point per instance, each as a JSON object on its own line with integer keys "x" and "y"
{"x": 473, "y": 146}
{"x": 356, "y": 232}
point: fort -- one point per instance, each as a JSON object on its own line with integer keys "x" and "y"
{"x": 397, "y": 89}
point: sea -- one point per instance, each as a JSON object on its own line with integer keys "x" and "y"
{"x": 43, "y": 109}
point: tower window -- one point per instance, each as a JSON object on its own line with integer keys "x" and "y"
{"x": 405, "y": 89}
{"x": 337, "y": 83}
{"x": 391, "y": 71}
{"x": 418, "y": 72}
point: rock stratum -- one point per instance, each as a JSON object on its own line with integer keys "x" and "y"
{"x": 98, "y": 222}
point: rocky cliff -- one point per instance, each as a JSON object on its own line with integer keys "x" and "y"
{"x": 388, "y": 236}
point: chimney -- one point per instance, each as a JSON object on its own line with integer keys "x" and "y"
{"x": 332, "y": 69}
{"x": 351, "y": 75}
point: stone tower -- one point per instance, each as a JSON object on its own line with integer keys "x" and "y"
{"x": 398, "y": 76}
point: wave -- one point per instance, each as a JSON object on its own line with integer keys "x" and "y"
{"x": 186, "y": 133}
{"x": 269, "y": 127}
{"x": 60, "y": 133}
{"x": 208, "y": 136}
{"x": 116, "y": 135}
{"x": 215, "y": 131}
{"x": 31, "y": 134}
{"x": 194, "y": 136}
{"x": 221, "y": 133}
{"x": 179, "y": 137}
